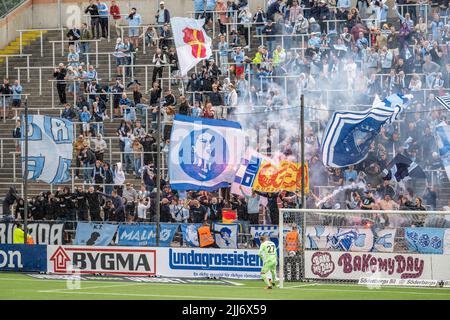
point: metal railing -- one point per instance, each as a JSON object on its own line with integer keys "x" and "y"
{"x": 21, "y": 31}
{"x": 8, "y": 56}
{"x": 54, "y": 42}
{"x": 5, "y": 100}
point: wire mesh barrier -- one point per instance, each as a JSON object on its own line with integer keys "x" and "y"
{"x": 6, "y": 6}
{"x": 363, "y": 246}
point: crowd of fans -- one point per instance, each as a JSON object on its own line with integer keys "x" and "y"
{"x": 337, "y": 55}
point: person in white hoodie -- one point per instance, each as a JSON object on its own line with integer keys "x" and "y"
{"x": 119, "y": 177}
{"x": 143, "y": 205}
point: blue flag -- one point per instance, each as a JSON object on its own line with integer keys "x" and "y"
{"x": 145, "y": 234}
{"x": 94, "y": 234}
{"x": 443, "y": 143}
{"x": 349, "y": 134}
{"x": 50, "y": 148}
{"x": 226, "y": 235}
{"x": 270, "y": 231}
{"x": 204, "y": 153}
{"x": 190, "y": 234}
{"x": 425, "y": 240}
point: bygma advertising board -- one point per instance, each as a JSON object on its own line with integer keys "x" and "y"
{"x": 166, "y": 262}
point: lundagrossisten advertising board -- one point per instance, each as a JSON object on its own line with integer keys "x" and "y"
{"x": 338, "y": 265}
{"x": 166, "y": 262}
{"x": 23, "y": 257}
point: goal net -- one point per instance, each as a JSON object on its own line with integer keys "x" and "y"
{"x": 353, "y": 245}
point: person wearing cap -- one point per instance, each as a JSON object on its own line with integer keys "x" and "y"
{"x": 162, "y": 16}
{"x": 314, "y": 41}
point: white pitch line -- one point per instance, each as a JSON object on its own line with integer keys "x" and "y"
{"x": 258, "y": 287}
{"x": 96, "y": 287}
{"x": 159, "y": 295}
{"x": 376, "y": 291}
{"x": 301, "y": 286}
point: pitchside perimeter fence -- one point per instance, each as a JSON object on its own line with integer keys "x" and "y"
{"x": 350, "y": 245}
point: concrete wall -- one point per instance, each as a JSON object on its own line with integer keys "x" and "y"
{"x": 20, "y": 18}
{"x": 45, "y": 12}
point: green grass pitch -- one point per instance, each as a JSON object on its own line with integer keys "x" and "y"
{"x": 16, "y": 286}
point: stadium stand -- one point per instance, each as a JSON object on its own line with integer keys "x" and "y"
{"x": 264, "y": 81}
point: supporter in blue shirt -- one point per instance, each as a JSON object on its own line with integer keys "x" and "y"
{"x": 199, "y": 7}
{"x": 17, "y": 94}
{"x": 104, "y": 14}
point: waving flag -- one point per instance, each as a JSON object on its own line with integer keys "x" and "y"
{"x": 191, "y": 41}
{"x": 402, "y": 168}
{"x": 443, "y": 143}
{"x": 204, "y": 153}
{"x": 349, "y": 134}
{"x": 49, "y": 148}
{"x": 285, "y": 175}
{"x": 246, "y": 174}
{"x": 444, "y": 101}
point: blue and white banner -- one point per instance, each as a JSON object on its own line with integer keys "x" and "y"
{"x": 190, "y": 234}
{"x": 23, "y": 257}
{"x": 349, "y": 134}
{"x": 145, "y": 234}
{"x": 350, "y": 239}
{"x": 226, "y": 235}
{"x": 246, "y": 174}
{"x": 204, "y": 153}
{"x": 270, "y": 231}
{"x": 443, "y": 143}
{"x": 50, "y": 148}
{"x": 94, "y": 234}
{"x": 425, "y": 240}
